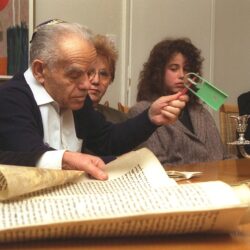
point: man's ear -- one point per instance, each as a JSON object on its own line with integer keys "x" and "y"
{"x": 38, "y": 70}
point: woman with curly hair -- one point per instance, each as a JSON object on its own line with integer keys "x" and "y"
{"x": 194, "y": 137}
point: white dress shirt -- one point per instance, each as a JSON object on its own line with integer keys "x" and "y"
{"x": 58, "y": 127}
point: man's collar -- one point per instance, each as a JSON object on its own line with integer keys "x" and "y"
{"x": 40, "y": 94}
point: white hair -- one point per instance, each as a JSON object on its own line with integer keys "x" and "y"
{"x": 45, "y": 40}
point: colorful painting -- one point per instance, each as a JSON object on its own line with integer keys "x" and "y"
{"x": 14, "y": 23}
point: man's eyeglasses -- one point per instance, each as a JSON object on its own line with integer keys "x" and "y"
{"x": 49, "y": 22}
{"x": 102, "y": 74}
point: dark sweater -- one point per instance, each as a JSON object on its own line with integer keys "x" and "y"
{"x": 21, "y": 128}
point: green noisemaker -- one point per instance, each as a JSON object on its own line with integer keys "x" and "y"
{"x": 205, "y": 90}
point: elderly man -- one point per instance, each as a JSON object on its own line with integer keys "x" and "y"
{"x": 47, "y": 109}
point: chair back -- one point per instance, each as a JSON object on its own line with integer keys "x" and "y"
{"x": 123, "y": 108}
{"x": 228, "y": 127}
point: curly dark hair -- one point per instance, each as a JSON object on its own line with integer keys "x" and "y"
{"x": 151, "y": 79}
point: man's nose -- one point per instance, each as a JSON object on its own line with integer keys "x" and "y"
{"x": 84, "y": 83}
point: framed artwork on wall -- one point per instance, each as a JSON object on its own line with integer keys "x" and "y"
{"x": 16, "y": 27}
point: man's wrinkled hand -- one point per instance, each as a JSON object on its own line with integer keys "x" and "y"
{"x": 92, "y": 165}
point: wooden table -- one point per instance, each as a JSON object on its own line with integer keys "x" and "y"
{"x": 230, "y": 171}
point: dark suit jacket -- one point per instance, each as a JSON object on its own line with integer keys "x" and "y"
{"x": 244, "y": 108}
{"x": 21, "y": 128}
{"x": 20, "y": 158}
{"x": 111, "y": 114}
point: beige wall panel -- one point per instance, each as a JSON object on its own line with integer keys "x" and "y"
{"x": 232, "y": 47}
